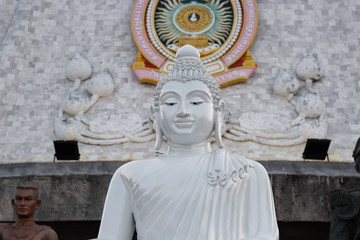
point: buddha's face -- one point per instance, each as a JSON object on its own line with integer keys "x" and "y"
{"x": 25, "y": 202}
{"x": 186, "y": 112}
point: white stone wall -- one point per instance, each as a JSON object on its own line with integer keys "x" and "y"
{"x": 39, "y": 38}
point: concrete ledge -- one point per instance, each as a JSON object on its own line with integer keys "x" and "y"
{"x": 301, "y": 188}
{"x": 75, "y": 191}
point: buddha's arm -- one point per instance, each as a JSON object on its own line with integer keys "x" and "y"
{"x": 117, "y": 220}
{"x": 263, "y": 224}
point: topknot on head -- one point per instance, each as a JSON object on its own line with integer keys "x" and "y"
{"x": 187, "y": 51}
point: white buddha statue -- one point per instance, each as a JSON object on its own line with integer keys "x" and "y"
{"x": 191, "y": 192}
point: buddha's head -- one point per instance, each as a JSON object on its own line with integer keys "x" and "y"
{"x": 26, "y": 201}
{"x": 187, "y": 103}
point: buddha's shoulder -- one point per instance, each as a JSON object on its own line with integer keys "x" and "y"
{"x": 251, "y": 164}
{"x": 139, "y": 165}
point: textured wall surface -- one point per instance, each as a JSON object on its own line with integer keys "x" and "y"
{"x": 39, "y": 38}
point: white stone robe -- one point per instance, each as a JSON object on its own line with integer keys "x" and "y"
{"x": 220, "y": 196}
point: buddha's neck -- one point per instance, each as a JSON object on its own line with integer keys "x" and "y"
{"x": 189, "y": 150}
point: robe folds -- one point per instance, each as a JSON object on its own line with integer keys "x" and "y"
{"x": 219, "y": 196}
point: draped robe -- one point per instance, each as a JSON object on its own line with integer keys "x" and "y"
{"x": 219, "y": 196}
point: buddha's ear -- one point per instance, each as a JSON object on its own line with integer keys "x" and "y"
{"x": 219, "y": 120}
{"x": 154, "y": 115}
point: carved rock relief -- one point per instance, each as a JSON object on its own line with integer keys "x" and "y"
{"x": 72, "y": 122}
{"x": 279, "y": 129}
{"x": 264, "y": 128}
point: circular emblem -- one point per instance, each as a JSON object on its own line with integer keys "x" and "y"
{"x": 221, "y": 30}
{"x": 194, "y": 19}
{"x": 207, "y": 25}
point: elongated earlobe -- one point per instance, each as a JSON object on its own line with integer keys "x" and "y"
{"x": 157, "y": 128}
{"x": 158, "y": 136}
{"x": 219, "y": 119}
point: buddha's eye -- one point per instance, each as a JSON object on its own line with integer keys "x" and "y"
{"x": 196, "y": 103}
{"x": 196, "y": 100}
{"x": 170, "y": 103}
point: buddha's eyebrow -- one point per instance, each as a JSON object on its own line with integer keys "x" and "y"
{"x": 199, "y": 92}
{"x": 168, "y": 94}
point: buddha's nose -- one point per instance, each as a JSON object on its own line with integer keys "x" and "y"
{"x": 182, "y": 114}
{"x": 182, "y": 111}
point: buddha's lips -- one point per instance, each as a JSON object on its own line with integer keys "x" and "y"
{"x": 184, "y": 124}
{"x": 188, "y": 121}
